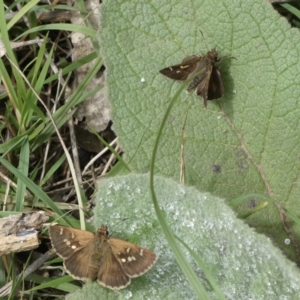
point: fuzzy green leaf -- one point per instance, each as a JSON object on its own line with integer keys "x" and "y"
{"x": 245, "y": 264}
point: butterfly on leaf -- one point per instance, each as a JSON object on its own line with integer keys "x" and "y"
{"x": 204, "y": 76}
{"x": 112, "y": 261}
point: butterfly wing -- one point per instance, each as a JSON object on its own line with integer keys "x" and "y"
{"x": 67, "y": 241}
{"x": 80, "y": 264}
{"x": 110, "y": 272}
{"x": 134, "y": 260}
{"x": 182, "y": 71}
{"x": 216, "y": 88}
{"x": 74, "y": 246}
{"x": 203, "y": 83}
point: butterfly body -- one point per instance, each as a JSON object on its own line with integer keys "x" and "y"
{"x": 204, "y": 76}
{"x": 112, "y": 261}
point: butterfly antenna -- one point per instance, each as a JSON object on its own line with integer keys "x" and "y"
{"x": 122, "y": 220}
{"x": 207, "y": 48}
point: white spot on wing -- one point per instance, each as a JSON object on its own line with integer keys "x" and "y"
{"x": 67, "y": 242}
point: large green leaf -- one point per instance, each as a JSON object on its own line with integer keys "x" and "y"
{"x": 245, "y": 142}
{"x": 245, "y": 264}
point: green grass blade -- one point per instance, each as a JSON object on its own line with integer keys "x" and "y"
{"x": 32, "y": 186}
{"x": 180, "y": 258}
{"x": 23, "y": 169}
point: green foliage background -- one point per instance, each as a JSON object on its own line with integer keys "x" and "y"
{"x": 251, "y": 134}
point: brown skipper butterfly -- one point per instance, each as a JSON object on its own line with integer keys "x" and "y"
{"x": 112, "y": 261}
{"x": 205, "y": 77}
